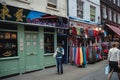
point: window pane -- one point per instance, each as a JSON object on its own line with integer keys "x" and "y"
{"x": 92, "y": 13}
{"x": 8, "y": 44}
{"x": 52, "y": 3}
{"x": 79, "y": 9}
{"x": 49, "y": 43}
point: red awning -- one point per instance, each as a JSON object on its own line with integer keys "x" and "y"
{"x": 114, "y": 28}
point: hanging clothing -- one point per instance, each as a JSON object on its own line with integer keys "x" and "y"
{"x": 87, "y": 53}
{"x": 74, "y": 54}
{"x": 84, "y": 55}
{"x": 70, "y": 54}
{"x": 78, "y": 57}
{"x": 81, "y": 56}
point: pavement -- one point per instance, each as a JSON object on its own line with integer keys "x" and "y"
{"x": 71, "y": 72}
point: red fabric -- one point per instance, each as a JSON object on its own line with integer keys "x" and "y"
{"x": 87, "y": 54}
{"x": 95, "y": 33}
{"x": 74, "y": 32}
{"x": 86, "y": 31}
{"x": 78, "y": 57}
{"x": 105, "y": 51}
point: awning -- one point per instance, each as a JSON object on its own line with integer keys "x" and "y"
{"x": 114, "y": 28}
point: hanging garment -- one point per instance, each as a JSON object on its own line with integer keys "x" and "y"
{"x": 90, "y": 54}
{"x": 78, "y": 31}
{"x": 74, "y": 54}
{"x": 82, "y": 30}
{"x": 87, "y": 53}
{"x": 84, "y": 56}
{"x": 78, "y": 57}
{"x": 95, "y": 33}
{"x": 105, "y": 33}
{"x": 90, "y": 32}
{"x": 81, "y": 56}
{"x": 74, "y": 32}
{"x": 94, "y": 54}
{"x": 70, "y": 54}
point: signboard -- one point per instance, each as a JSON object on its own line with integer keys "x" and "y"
{"x": 11, "y": 13}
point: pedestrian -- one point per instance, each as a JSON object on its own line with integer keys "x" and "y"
{"x": 114, "y": 61}
{"x": 58, "y": 55}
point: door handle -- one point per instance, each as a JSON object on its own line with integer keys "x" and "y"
{"x": 31, "y": 54}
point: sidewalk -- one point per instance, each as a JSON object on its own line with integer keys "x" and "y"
{"x": 71, "y": 72}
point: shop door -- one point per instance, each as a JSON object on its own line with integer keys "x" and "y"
{"x": 31, "y": 50}
{"x": 63, "y": 41}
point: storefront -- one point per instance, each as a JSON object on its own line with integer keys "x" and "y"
{"x": 84, "y": 43}
{"x": 112, "y": 34}
{"x": 27, "y": 39}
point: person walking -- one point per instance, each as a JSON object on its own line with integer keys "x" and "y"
{"x": 114, "y": 61}
{"x": 58, "y": 55}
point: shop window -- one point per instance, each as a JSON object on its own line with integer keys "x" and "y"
{"x": 92, "y": 13}
{"x": 49, "y": 43}
{"x": 8, "y": 44}
{"x": 48, "y": 40}
{"x": 52, "y": 3}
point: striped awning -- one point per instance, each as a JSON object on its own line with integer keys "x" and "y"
{"x": 114, "y": 28}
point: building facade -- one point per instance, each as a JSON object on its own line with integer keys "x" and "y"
{"x": 85, "y": 31}
{"x": 110, "y": 18}
{"x": 29, "y": 33}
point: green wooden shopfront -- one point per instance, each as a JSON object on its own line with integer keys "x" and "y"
{"x": 28, "y": 40}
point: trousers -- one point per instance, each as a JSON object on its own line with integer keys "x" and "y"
{"x": 59, "y": 65}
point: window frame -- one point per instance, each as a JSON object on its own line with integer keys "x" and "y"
{"x": 52, "y": 4}
{"x": 9, "y": 46}
{"x": 80, "y": 8}
{"x": 92, "y": 13}
{"x": 25, "y": 1}
{"x": 50, "y": 41}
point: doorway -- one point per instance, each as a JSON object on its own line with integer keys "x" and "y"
{"x": 63, "y": 40}
{"x": 31, "y": 52}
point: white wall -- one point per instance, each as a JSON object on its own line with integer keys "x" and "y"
{"x": 40, "y": 5}
{"x": 86, "y": 11}
{"x": 72, "y": 8}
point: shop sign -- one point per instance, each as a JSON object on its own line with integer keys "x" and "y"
{"x": 11, "y": 13}
{"x": 80, "y": 24}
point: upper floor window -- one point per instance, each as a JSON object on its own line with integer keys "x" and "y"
{"x": 104, "y": 12}
{"x": 114, "y": 1}
{"x": 118, "y": 3}
{"x": 80, "y": 9}
{"x": 118, "y": 18}
{"x": 109, "y": 14}
{"x": 114, "y": 16}
{"x": 52, "y": 3}
{"x": 92, "y": 13}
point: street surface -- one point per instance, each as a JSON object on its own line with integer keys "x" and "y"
{"x": 71, "y": 72}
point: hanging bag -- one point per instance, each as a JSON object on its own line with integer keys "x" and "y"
{"x": 107, "y": 69}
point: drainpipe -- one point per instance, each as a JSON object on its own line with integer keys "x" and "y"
{"x": 68, "y": 27}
